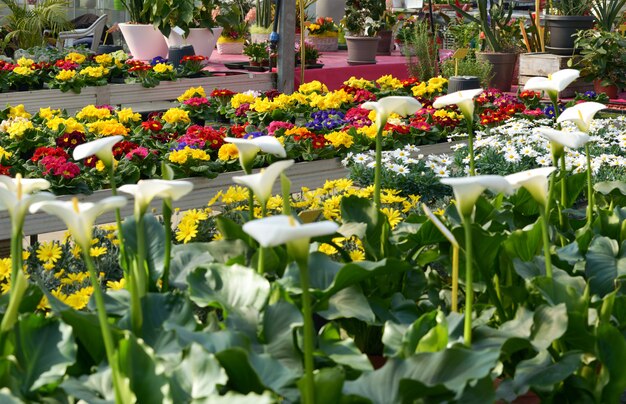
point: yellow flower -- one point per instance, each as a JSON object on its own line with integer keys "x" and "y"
{"x": 126, "y": 115}
{"x": 109, "y": 127}
{"x": 73, "y": 278}
{"x": 100, "y": 167}
{"x": 25, "y": 255}
{"x": 239, "y": 99}
{"x": 105, "y": 59}
{"x": 116, "y": 285}
{"x": 192, "y": 92}
{"x": 186, "y": 231}
{"x": 388, "y": 82}
{"x": 17, "y": 129}
{"x": 176, "y": 115}
{"x": 97, "y": 251}
{"x": 357, "y": 255}
{"x": 358, "y": 83}
{"x": 75, "y": 57}
{"x": 23, "y": 71}
{"x": 24, "y": 62}
{"x": 228, "y": 152}
{"x": 235, "y": 194}
{"x": 218, "y": 236}
{"x": 419, "y": 90}
{"x": 18, "y": 111}
{"x": 92, "y": 112}
{"x": 4, "y": 154}
{"x": 393, "y": 216}
{"x": 162, "y": 68}
{"x": 79, "y": 299}
{"x": 195, "y": 215}
{"x": 94, "y": 71}
{"x": 339, "y": 138}
{"x": 47, "y": 113}
{"x": 49, "y": 251}
{"x": 48, "y": 266}
{"x": 327, "y": 249}
{"x": 368, "y": 131}
{"x": 183, "y": 155}
{"x": 65, "y": 75}
{"x": 313, "y": 87}
{"x": 5, "y": 268}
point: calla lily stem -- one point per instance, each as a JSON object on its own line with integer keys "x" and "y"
{"x": 455, "y": 278}
{"x": 470, "y": 146}
{"x": 590, "y": 196}
{"x": 469, "y": 283}
{"x": 118, "y": 220}
{"x": 308, "y": 329}
{"x": 107, "y": 337}
{"x": 546, "y": 239}
{"x": 378, "y": 168}
{"x": 261, "y": 260}
{"x": 18, "y": 282}
{"x": 167, "y": 222}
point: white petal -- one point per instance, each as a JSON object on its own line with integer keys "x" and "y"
{"x": 102, "y": 148}
{"x": 573, "y": 140}
{"x": 262, "y": 182}
{"x": 456, "y": 97}
{"x": 277, "y": 230}
{"x": 581, "y": 114}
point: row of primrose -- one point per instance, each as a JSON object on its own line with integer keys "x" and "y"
{"x": 512, "y": 290}
{"x": 312, "y": 123}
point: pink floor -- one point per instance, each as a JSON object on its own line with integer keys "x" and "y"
{"x": 336, "y": 69}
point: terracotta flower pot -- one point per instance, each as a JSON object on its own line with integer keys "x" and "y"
{"x": 610, "y": 91}
{"x": 503, "y": 66}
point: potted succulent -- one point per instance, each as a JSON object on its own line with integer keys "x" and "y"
{"x": 235, "y": 30}
{"x": 563, "y": 19}
{"x": 323, "y": 34}
{"x": 603, "y": 60}
{"x": 501, "y": 39}
{"x": 362, "y": 23}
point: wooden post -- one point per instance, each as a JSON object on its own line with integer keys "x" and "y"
{"x": 286, "y": 50}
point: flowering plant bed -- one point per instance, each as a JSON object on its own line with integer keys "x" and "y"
{"x": 267, "y": 302}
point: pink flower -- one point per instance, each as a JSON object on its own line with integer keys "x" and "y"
{"x": 276, "y": 125}
{"x": 533, "y": 112}
{"x": 251, "y": 16}
{"x": 140, "y": 152}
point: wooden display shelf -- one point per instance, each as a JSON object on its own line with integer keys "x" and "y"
{"x": 544, "y": 64}
{"x": 135, "y": 96}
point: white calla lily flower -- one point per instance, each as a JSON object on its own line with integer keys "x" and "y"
{"x": 80, "y": 217}
{"x": 535, "y": 181}
{"x": 18, "y": 194}
{"x": 468, "y": 189}
{"x": 101, "y": 148}
{"x": 262, "y": 182}
{"x": 401, "y": 105}
{"x": 554, "y": 83}
{"x": 277, "y": 230}
{"x": 464, "y": 100}
{"x": 572, "y": 140}
{"x": 249, "y": 148}
{"x": 582, "y": 114}
{"x": 146, "y": 190}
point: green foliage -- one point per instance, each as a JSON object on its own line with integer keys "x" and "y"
{"x": 468, "y": 66}
{"x": 602, "y": 56}
{"x": 422, "y": 61}
{"x": 363, "y": 17}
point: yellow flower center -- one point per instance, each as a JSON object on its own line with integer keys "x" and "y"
{"x": 18, "y": 180}
{"x": 75, "y": 205}
{"x": 292, "y": 221}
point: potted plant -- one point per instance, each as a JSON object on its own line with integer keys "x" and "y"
{"x": 501, "y": 39}
{"x": 261, "y": 14}
{"x": 388, "y": 21}
{"x": 258, "y": 53}
{"x": 362, "y": 23}
{"x": 404, "y": 33}
{"x": 234, "y": 32}
{"x": 563, "y": 19}
{"x": 311, "y": 54}
{"x": 323, "y": 34}
{"x": 603, "y": 60}
{"x": 144, "y": 40}
{"x": 200, "y": 28}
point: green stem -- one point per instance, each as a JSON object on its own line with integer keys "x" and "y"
{"x": 546, "y": 240}
{"x": 590, "y": 197}
{"x": 107, "y": 336}
{"x": 307, "y": 314}
{"x": 19, "y": 284}
{"x": 470, "y": 145}
{"x": 551, "y": 194}
{"x": 469, "y": 284}
{"x": 167, "y": 222}
{"x": 138, "y": 286}
{"x": 142, "y": 284}
{"x": 118, "y": 221}
{"x": 563, "y": 182}
{"x": 378, "y": 168}
{"x": 261, "y": 260}
{"x": 285, "y": 186}
{"x": 250, "y": 205}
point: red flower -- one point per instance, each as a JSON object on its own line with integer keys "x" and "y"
{"x": 42, "y": 152}
{"x": 152, "y": 125}
{"x": 123, "y": 147}
{"x": 5, "y": 170}
{"x": 221, "y": 93}
{"x": 71, "y": 140}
